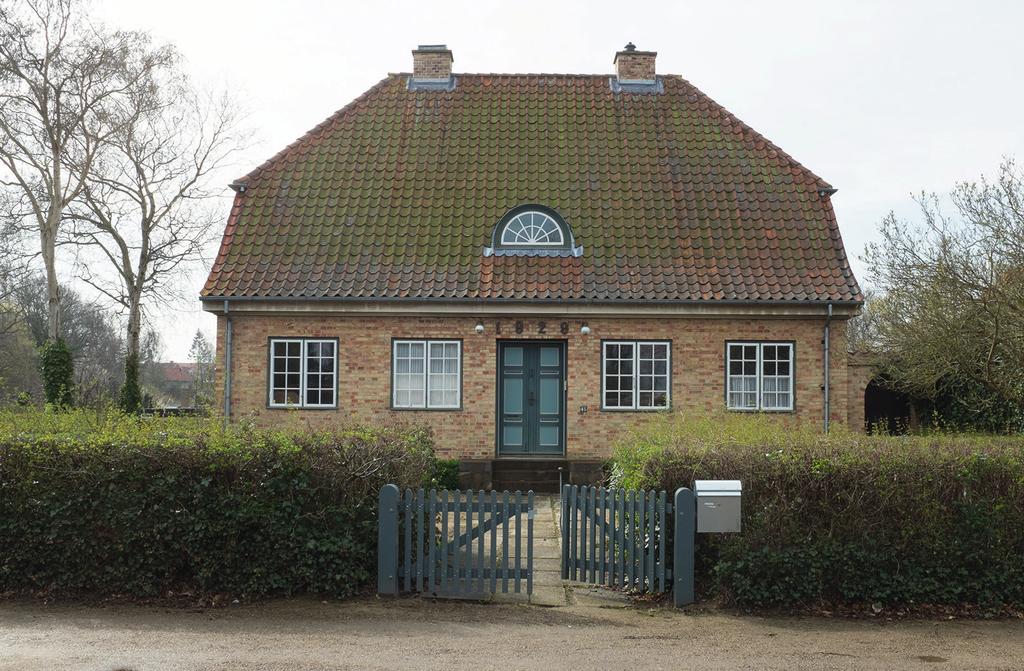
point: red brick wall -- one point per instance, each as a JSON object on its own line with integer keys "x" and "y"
{"x": 431, "y": 64}
{"x": 859, "y": 376}
{"x": 364, "y": 363}
{"x": 635, "y": 66}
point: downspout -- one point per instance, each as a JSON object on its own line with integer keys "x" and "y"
{"x": 825, "y": 384}
{"x": 227, "y": 365}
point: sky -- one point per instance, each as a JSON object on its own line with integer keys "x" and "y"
{"x": 881, "y": 99}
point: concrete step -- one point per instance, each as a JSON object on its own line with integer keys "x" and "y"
{"x": 540, "y": 475}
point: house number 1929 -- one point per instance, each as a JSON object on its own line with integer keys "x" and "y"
{"x": 520, "y": 327}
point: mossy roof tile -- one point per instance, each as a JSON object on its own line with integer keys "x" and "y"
{"x": 396, "y": 195}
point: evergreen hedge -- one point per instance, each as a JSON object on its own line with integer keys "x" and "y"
{"x": 123, "y": 505}
{"x": 847, "y": 519}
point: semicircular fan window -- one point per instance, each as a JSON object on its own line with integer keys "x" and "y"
{"x": 532, "y": 229}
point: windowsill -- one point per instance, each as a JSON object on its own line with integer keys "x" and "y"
{"x": 453, "y": 409}
{"x": 302, "y": 407}
{"x": 773, "y": 411}
{"x": 668, "y": 409}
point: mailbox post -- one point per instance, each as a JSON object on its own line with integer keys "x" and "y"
{"x": 716, "y": 506}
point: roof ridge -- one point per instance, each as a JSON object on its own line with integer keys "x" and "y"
{"x": 781, "y": 152}
{"x": 337, "y": 114}
{"x": 523, "y": 74}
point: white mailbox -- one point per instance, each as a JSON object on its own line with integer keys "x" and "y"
{"x": 718, "y": 505}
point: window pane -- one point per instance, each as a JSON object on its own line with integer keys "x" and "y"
{"x": 618, "y": 375}
{"x": 549, "y": 356}
{"x": 513, "y": 356}
{"x": 409, "y": 366}
{"x": 512, "y": 395}
{"x": 776, "y": 366}
{"x": 549, "y": 395}
{"x": 652, "y": 370}
{"x": 443, "y": 377}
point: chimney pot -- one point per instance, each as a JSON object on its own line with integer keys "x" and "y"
{"x": 635, "y": 67}
{"x": 432, "y": 63}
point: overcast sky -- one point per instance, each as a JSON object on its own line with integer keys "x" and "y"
{"x": 882, "y": 99}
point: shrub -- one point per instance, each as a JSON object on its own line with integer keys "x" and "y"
{"x": 58, "y": 372}
{"x": 445, "y": 474}
{"x": 104, "y": 504}
{"x": 844, "y": 518}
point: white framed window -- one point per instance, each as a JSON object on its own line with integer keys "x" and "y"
{"x": 532, "y": 229}
{"x": 635, "y": 375}
{"x": 426, "y": 374}
{"x": 759, "y": 376}
{"x": 303, "y": 373}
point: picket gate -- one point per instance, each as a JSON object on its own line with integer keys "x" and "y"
{"x": 617, "y": 537}
{"x": 460, "y": 544}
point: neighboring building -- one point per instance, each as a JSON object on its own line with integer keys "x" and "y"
{"x": 532, "y": 264}
{"x": 175, "y": 381}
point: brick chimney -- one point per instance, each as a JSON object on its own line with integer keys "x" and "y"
{"x": 634, "y": 67}
{"x": 432, "y": 63}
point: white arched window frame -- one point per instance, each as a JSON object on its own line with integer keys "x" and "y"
{"x": 532, "y": 229}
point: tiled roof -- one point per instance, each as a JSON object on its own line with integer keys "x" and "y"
{"x": 177, "y": 372}
{"x": 670, "y": 196}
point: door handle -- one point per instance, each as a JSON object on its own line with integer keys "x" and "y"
{"x": 531, "y": 397}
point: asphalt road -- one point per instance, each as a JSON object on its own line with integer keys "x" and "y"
{"x": 370, "y": 634}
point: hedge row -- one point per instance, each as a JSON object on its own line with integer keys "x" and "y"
{"x": 847, "y": 519}
{"x": 109, "y": 505}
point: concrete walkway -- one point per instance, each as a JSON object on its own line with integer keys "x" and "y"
{"x": 549, "y": 590}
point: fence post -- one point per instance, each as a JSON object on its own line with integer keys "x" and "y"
{"x": 682, "y": 551}
{"x": 564, "y": 524}
{"x": 387, "y": 541}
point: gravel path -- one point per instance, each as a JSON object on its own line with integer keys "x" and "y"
{"x": 413, "y": 633}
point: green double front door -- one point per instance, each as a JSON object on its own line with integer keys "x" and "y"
{"x": 531, "y": 398}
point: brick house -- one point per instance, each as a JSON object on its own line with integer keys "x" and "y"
{"x": 532, "y": 264}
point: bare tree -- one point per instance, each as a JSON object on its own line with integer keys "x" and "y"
{"x": 952, "y": 307}
{"x": 13, "y": 266}
{"x": 62, "y": 82}
{"x": 148, "y": 208}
